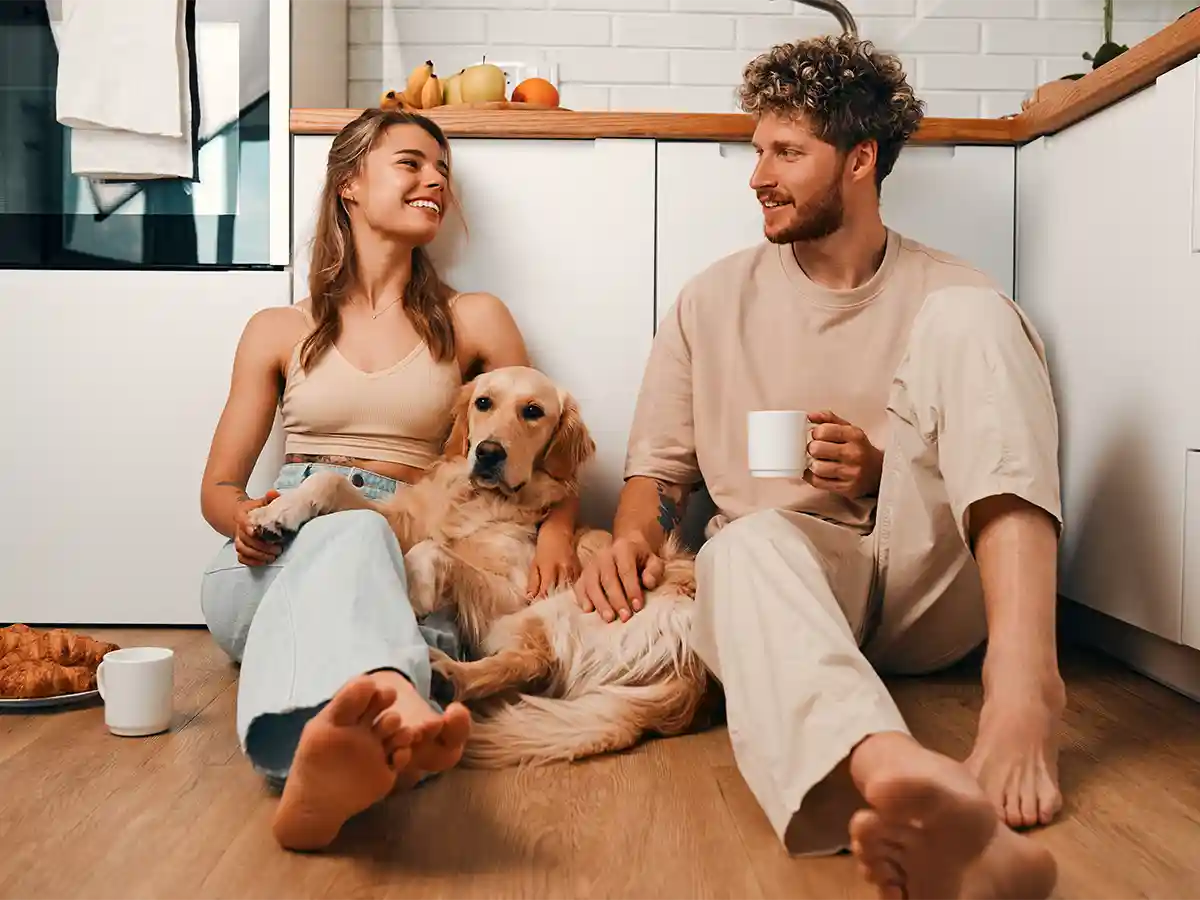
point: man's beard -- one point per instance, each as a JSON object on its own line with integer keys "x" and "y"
{"x": 817, "y": 219}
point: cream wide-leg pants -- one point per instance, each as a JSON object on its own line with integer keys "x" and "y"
{"x": 796, "y": 615}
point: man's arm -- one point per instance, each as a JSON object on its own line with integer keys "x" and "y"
{"x": 651, "y": 509}
{"x": 660, "y": 467}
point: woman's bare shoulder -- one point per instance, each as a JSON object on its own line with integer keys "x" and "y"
{"x": 274, "y": 331}
{"x": 478, "y": 309}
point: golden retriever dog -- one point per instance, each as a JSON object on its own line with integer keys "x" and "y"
{"x": 547, "y": 681}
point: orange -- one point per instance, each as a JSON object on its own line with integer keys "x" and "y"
{"x": 535, "y": 90}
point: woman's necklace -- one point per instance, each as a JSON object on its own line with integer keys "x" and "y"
{"x": 378, "y": 313}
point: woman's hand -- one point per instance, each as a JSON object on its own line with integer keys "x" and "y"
{"x": 251, "y": 549}
{"x": 555, "y": 564}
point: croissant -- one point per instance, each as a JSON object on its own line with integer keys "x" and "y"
{"x": 58, "y": 645}
{"x": 31, "y": 678}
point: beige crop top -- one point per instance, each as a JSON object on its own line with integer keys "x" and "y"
{"x": 400, "y": 414}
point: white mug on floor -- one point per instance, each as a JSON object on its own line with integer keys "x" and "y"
{"x": 138, "y": 687}
{"x": 778, "y": 443}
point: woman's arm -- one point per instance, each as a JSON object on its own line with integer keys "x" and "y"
{"x": 246, "y": 420}
{"x": 490, "y": 340}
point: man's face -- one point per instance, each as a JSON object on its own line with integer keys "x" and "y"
{"x": 798, "y": 181}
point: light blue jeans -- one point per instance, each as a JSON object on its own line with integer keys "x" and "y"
{"x": 333, "y": 605}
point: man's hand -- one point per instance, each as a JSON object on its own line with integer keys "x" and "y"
{"x": 252, "y": 550}
{"x": 844, "y": 461}
{"x": 612, "y": 582}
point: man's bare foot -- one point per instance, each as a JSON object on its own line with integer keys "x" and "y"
{"x": 341, "y": 766}
{"x": 932, "y": 833}
{"x": 1015, "y": 757}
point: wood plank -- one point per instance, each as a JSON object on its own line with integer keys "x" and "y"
{"x": 1136, "y": 68}
{"x": 653, "y": 823}
{"x": 75, "y": 765}
{"x": 184, "y": 815}
{"x": 666, "y": 126}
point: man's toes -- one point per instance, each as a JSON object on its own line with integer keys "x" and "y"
{"x": 350, "y": 704}
{"x": 1049, "y": 804}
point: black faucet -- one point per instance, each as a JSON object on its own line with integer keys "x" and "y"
{"x": 838, "y": 10}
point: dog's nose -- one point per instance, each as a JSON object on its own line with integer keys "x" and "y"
{"x": 490, "y": 454}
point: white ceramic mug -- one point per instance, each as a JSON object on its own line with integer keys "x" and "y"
{"x": 778, "y": 443}
{"x": 138, "y": 686}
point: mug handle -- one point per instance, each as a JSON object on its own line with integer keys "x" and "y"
{"x": 100, "y": 679}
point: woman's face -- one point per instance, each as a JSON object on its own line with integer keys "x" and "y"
{"x": 403, "y": 188}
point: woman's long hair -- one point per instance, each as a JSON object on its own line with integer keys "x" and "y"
{"x": 334, "y": 270}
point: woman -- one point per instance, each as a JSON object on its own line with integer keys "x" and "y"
{"x": 334, "y": 694}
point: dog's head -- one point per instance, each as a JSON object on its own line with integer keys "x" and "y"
{"x": 510, "y": 423}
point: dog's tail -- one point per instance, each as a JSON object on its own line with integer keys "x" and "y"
{"x": 540, "y": 730}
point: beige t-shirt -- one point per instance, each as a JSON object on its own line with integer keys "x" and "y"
{"x": 754, "y": 332}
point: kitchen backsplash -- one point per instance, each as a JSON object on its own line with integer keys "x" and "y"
{"x": 966, "y": 57}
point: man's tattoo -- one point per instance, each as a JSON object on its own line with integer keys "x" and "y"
{"x": 669, "y": 511}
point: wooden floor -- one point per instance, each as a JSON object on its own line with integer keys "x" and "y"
{"x": 86, "y": 814}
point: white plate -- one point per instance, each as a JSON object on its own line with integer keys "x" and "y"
{"x": 38, "y": 702}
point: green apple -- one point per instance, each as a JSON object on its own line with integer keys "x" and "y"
{"x": 483, "y": 83}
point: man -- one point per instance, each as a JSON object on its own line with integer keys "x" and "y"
{"x": 928, "y": 520}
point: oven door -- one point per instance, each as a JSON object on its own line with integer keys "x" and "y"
{"x": 235, "y": 214}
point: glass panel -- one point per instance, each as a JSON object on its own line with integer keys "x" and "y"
{"x": 50, "y": 217}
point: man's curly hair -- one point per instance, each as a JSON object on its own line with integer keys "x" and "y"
{"x": 844, "y": 88}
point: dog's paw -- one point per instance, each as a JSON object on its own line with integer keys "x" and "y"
{"x": 446, "y": 667}
{"x": 422, "y": 566}
{"x": 283, "y": 515}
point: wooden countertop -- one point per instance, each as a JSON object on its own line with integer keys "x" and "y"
{"x": 1133, "y": 70}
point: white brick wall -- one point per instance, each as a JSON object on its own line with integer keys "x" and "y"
{"x": 966, "y": 57}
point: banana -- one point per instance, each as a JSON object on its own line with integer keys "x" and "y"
{"x": 416, "y": 83}
{"x": 391, "y": 100}
{"x": 431, "y": 94}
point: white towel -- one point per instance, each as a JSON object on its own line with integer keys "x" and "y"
{"x": 124, "y": 88}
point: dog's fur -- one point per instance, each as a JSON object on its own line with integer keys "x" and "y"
{"x": 548, "y": 681}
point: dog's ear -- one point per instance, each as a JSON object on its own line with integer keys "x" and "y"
{"x": 571, "y": 445}
{"x": 459, "y": 441}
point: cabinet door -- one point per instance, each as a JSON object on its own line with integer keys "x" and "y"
{"x": 957, "y": 199}
{"x": 1107, "y": 273}
{"x": 113, "y": 385}
{"x": 563, "y": 232}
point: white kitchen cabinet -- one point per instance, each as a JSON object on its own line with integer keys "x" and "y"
{"x": 956, "y": 199}
{"x": 113, "y": 383}
{"x": 563, "y": 232}
{"x": 1106, "y": 271}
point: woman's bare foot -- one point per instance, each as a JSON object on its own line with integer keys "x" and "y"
{"x": 376, "y": 734}
{"x": 932, "y": 833}
{"x": 431, "y": 742}
{"x": 1015, "y": 758}
{"x": 341, "y": 767}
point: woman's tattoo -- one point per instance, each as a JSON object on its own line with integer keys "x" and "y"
{"x": 241, "y": 488}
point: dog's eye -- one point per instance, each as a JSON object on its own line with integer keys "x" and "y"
{"x": 483, "y": 404}
{"x": 532, "y": 411}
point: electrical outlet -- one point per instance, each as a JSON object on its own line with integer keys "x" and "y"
{"x": 516, "y": 72}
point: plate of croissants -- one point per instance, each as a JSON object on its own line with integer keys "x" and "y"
{"x": 48, "y": 668}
